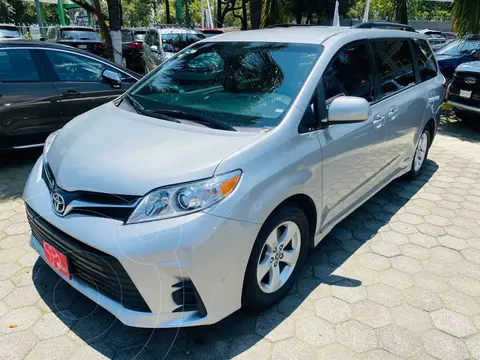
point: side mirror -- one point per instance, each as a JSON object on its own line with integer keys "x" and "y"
{"x": 154, "y": 48}
{"x": 112, "y": 77}
{"x": 349, "y": 109}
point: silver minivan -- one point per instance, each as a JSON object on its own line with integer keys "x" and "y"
{"x": 164, "y": 41}
{"x": 201, "y": 189}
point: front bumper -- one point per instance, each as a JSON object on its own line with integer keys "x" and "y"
{"x": 209, "y": 251}
{"x": 463, "y": 107}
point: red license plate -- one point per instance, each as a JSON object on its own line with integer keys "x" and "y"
{"x": 56, "y": 259}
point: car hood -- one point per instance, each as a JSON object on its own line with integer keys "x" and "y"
{"x": 111, "y": 150}
{"x": 473, "y": 66}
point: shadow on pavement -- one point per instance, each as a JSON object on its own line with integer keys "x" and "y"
{"x": 451, "y": 126}
{"x": 239, "y": 332}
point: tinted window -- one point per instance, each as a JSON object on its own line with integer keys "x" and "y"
{"x": 460, "y": 48}
{"x": 70, "y": 67}
{"x": 17, "y": 65}
{"x": 139, "y": 35}
{"x": 238, "y": 83}
{"x": 155, "y": 39}
{"x": 9, "y": 32}
{"x": 127, "y": 36}
{"x": 425, "y": 60}
{"x": 349, "y": 74}
{"x": 395, "y": 65}
{"x": 79, "y": 35}
{"x": 177, "y": 42}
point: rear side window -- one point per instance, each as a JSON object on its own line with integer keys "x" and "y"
{"x": 349, "y": 74}
{"x": 127, "y": 36}
{"x": 395, "y": 65}
{"x": 425, "y": 60}
{"x": 17, "y": 66}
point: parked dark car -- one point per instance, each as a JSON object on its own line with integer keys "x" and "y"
{"x": 463, "y": 93}
{"x": 8, "y": 31}
{"x": 211, "y": 32}
{"x": 132, "y": 47}
{"x": 81, "y": 37}
{"x": 456, "y": 53}
{"x": 44, "y": 85}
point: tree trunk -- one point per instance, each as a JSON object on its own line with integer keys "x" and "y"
{"x": 244, "y": 15}
{"x": 115, "y": 18}
{"x": 255, "y": 13}
{"x": 298, "y": 16}
{"x": 219, "y": 19}
{"x": 167, "y": 11}
{"x": 400, "y": 13}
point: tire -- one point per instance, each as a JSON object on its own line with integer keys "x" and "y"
{"x": 260, "y": 294}
{"x": 423, "y": 143}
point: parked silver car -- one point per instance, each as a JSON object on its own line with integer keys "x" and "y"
{"x": 164, "y": 41}
{"x": 201, "y": 189}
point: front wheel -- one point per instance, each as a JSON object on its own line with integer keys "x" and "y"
{"x": 421, "y": 153}
{"x": 276, "y": 258}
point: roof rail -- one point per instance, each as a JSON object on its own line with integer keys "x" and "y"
{"x": 289, "y": 25}
{"x": 383, "y": 25}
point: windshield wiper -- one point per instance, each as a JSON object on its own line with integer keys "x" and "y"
{"x": 141, "y": 110}
{"x": 197, "y": 118}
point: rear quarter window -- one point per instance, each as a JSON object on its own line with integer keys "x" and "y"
{"x": 16, "y": 65}
{"x": 425, "y": 60}
{"x": 395, "y": 64}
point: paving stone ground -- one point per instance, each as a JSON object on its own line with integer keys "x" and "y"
{"x": 399, "y": 278}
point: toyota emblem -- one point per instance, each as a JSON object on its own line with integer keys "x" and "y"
{"x": 470, "y": 80}
{"x": 58, "y": 203}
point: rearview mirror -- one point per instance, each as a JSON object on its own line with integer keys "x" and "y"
{"x": 348, "y": 109}
{"x": 154, "y": 48}
{"x": 112, "y": 77}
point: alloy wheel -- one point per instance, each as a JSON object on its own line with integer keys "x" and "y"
{"x": 279, "y": 257}
{"x": 421, "y": 152}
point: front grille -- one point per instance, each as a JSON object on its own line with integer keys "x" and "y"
{"x": 100, "y": 271}
{"x": 112, "y": 206}
{"x": 459, "y": 83}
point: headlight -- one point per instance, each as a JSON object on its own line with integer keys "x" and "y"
{"x": 183, "y": 199}
{"x": 49, "y": 142}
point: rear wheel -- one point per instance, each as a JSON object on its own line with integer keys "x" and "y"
{"x": 277, "y": 255}
{"x": 421, "y": 153}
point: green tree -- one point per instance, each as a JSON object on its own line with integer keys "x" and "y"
{"x": 400, "y": 11}
{"x": 137, "y": 12}
{"x": 466, "y": 16}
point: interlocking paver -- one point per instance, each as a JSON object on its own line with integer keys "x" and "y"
{"x": 357, "y": 336}
{"x": 371, "y": 314}
{"x": 444, "y": 346}
{"x": 423, "y": 299}
{"x": 461, "y": 303}
{"x": 400, "y": 341}
{"x": 335, "y": 351}
{"x": 292, "y": 348}
{"x": 453, "y": 323}
{"x": 411, "y": 318}
{"x": 385, "y": 295}
{"x": 315, "y": 331}
{"x": 465, "y": 285}
{"x": 333, "y": 310}
{"x": 399, "y": 278}
{"x": 275, "y": 327}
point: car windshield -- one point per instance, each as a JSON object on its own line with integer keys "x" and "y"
{"x": 9, "y": 33}
{"x": 176, "y": 42}
{"x": 239, "y": 84}
{"x": 139, "y": 35}
{"x": 79, "y": 35}
{"x": 460, "y": 48}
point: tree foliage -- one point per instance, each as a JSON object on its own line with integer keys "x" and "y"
{"x": 466, "y": 16}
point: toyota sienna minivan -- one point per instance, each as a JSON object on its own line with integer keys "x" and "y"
{"x": 202, "y": 188}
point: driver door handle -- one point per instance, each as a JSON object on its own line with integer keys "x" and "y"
{"x": 392, "y": 113}
{"x": 379, "y": 121}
